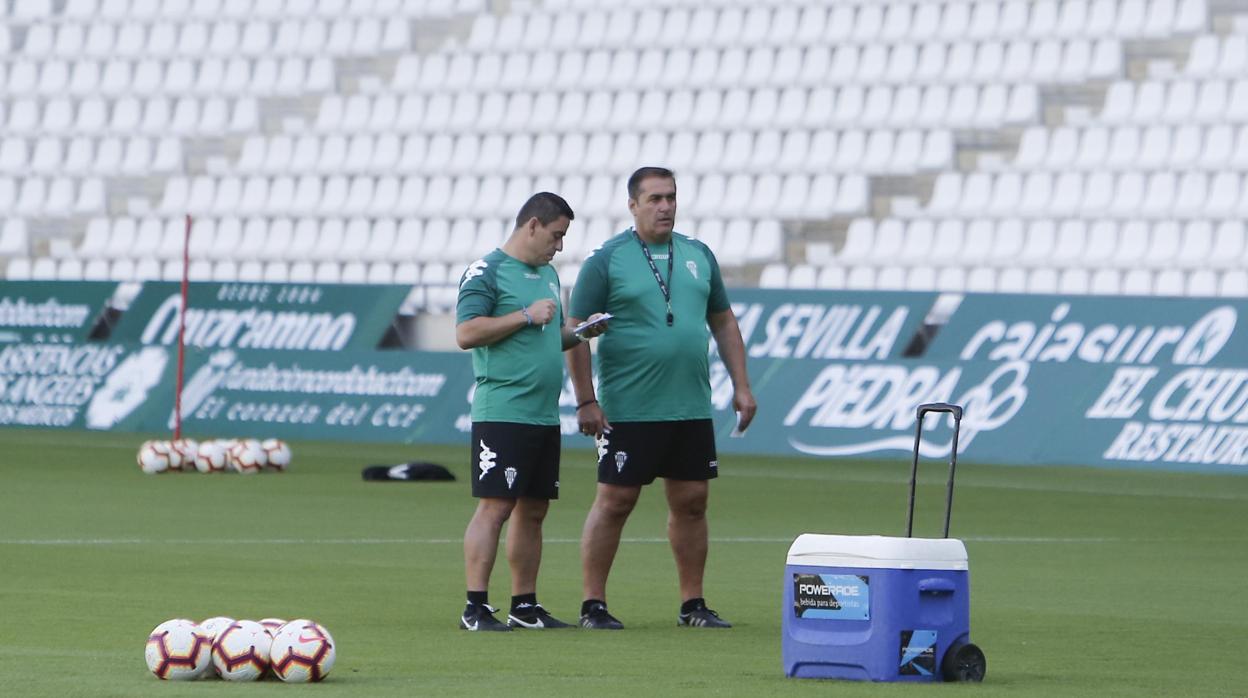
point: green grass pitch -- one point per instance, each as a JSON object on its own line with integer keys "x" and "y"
{"x": 1085, "y": 582}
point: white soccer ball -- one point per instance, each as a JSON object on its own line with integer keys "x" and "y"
{"x": 187, "y": 449}
{"x": 175, "y": 456}
{"x": 211, "y": 458}
{"x": 241, "y": 651}
{"x": 272, "y": 625}
{"x": 177, "y": 650}
{"x": 247, "y": 457}
{"x": 277, "y": 453}
{"x": 211, "y": 627}
{"x": 153, "y": 457}
{"x": 302, "y": 651}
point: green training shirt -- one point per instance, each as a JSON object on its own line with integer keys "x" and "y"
{"x": 648, "y": 371}
{"x": 519, "y": 377}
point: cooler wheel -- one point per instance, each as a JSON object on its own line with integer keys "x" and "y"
{"x": 964, "y": 662}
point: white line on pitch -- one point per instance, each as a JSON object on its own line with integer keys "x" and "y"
{"x": 557, "y": 541}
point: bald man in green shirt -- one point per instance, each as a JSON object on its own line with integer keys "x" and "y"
{"x": 652, "y": 414}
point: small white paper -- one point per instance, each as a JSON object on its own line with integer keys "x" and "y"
{"x": 737, "y": 432}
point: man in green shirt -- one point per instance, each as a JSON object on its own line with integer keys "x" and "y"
{"x": 509, "y": 314}
{"x": 666, "y": 298}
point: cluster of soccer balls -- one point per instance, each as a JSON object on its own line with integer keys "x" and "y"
{"x": 298, "y": 651}
{"x": 245, "y": 456}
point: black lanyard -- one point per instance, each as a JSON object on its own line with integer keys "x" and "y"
{"x": 671, "y": 256}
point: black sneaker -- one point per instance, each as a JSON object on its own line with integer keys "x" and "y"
{"x": 702, "y": 617}
{"x": 598, "y": 619}
{"x": 481, "y": 618}
{"x": 533, "y": 617}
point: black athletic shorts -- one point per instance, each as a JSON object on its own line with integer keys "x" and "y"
{"x": 515, "y": 460}
{"x": 634, "y": 453}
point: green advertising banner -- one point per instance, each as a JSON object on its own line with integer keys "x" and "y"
{"x": 51, "y": 311}
{"x": 1099, "y": 383}
{"x": 1093, "y": 329}
{"x": 1016, "y": 412}
{"x": 91, "y": 385}
{"x": 347, "y": 395}
{"x": 818, "y": 325}
{"x": 313, "y": 317}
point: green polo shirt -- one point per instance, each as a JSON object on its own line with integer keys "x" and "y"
{"x": 519, "y": 377}
{"x": 648, "y": 371}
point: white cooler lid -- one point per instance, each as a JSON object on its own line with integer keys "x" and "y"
{"x": 812, "y": 549}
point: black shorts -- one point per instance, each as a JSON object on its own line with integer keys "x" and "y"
{"x": 512, "y": 460}
{"x": 634, "y": 453}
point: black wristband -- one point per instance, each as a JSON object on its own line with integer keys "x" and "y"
{"x": 587, "y": 402}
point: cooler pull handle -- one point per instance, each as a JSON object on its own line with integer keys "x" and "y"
{"x": 956, "y": 411}
{"x": 937, "y": 585}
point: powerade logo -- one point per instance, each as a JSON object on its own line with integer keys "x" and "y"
{"x": 854, "y": 398}
{"x": 1062, "y": 341}
{"x": 832, "y": 596}
{"x": 918, "y": 653}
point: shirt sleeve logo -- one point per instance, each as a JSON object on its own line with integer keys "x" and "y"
{"x": 475, "y": 269}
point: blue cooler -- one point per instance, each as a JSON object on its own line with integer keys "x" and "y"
{"x": 874, "y": 608}
{"x": 877, "y": 608}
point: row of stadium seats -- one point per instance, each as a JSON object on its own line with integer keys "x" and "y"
{"x": 29, "y": 11}
{"x": 1041, "y": 243}
{"x": 862, "y": 21}
{"x": 154, "y": 116}
{"x": 954, "y": 63}
{"x": 798, "y": 196}
{"x": 59, "y": 196}
{"x": 1176, "y": 102}
{"x": 314, "y": 37}
{"x": 735, "y": 242}
{"x": 265, "y": 76}
{"x": 693, "y": 152}
{"x": 136, "y": 157}
{"x": 1141, "y": 282}
{"x": 963, "y": 106}
{"x": 147, "y": 269}
{"x": 1091, "y": 194}
{"x": 1156, "y": 147}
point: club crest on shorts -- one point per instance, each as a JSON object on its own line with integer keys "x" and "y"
{"x": 510, "y": 474}
{"x": 486, "y": 462}
{"x": 714, "y": 465}
{"x": 692, "y": 266}
{"x": 621, "y": 457}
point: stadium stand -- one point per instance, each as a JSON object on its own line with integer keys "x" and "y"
{"x": 1074, "y": 146}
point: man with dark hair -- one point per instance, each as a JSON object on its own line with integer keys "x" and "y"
{"x": 663, "y": 290}
{"x": 506, "y": 301}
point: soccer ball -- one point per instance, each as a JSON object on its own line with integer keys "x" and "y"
{"x": 241, "y": 651}
{"x": 153, "y": 457}
{"x": 302, "y": 651}
{"x": 277, "y": 452}
{"x": 211, "y": 457}
{"x": 177, "y": 650}
{"x": 212, "y": 626}
{"x": 175, "y": 456}
{"x": 186, "y": 450}
{"x": 272, "y": 625}
{"x": 247, "y": 457}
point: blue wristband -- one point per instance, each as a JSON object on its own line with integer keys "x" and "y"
{"x": 528, "y": 319}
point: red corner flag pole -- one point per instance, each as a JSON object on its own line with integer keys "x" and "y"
{"x": 177, "y": 397}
